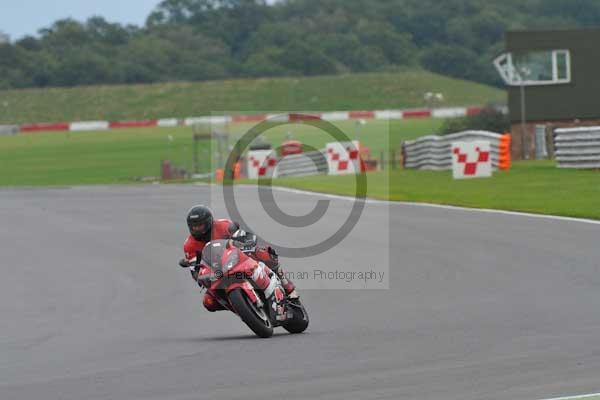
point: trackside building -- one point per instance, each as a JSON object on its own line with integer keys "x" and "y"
{"x": 554, "y": 80}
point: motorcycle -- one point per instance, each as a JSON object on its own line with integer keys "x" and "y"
{"x": 233, "y": 282}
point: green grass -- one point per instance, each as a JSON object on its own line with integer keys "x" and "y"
{"x": 378, "y": 135}
{"x": 91, "y": 158}
{"x": 403, "y": 89}
{"x": 530, "y": 186}
{"x": 119, "y": 156}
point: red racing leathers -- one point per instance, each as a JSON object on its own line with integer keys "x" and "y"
{"x": 224, "y": 229}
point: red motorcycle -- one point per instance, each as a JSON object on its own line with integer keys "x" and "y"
{"x": 250, "y": 289}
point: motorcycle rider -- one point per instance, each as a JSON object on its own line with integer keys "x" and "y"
{"x": 203, "y": 228}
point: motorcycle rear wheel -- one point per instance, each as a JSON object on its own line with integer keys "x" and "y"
{"x": 255, "y": 317}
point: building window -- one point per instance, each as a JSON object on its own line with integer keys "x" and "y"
{"x": 547, "y": 67}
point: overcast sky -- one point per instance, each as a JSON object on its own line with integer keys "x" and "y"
{"x": 25, "y": 17}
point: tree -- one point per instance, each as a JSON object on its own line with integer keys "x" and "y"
{"x": 266, "y": 62}
{"x": 450, "y": 60}
{"x": 583, "y": 12}
{"x": 4, "y": 38}
{"x": 306, "y": 60}
{"x": 214, "y": 39}
{"x": 490, "y": 119}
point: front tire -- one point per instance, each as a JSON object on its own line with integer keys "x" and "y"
{"x": 299, "y": 323}
{"x": 256, "y": 318}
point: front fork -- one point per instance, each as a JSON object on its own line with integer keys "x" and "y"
{"x": 273, "y": 295}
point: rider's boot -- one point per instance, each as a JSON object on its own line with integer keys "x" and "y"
{"x": 288, "y": 285}
{"x": 271, "y": 259}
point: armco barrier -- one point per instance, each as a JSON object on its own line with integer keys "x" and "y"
{"x": 310, "y": 163}
{"x": 434, "y": 152}
{"x": 577, "y": 147}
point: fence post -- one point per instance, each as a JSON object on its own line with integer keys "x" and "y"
{"x": 403, "y": 153}
{"x": 166, "y": 172}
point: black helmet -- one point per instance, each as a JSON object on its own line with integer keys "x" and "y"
{"x": 199, "y": 221}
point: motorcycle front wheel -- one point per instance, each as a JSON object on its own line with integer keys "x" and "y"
{"x": 255, "y": 317}
{"x": 299, "y": 322}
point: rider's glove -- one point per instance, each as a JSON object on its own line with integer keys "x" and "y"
{"x": 240, "y": 234}
{"x": 183, "y": 263}
{"x": 272, "y": 252}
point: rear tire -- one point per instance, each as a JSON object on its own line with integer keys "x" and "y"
{"x": 250, "y": 314}
{"x": 299, "y": 323}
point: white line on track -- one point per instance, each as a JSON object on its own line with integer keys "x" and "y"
{"x": 446, "y": 207}
{"x": 581, "y": 396}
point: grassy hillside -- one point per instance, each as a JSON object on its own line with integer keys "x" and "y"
{"x": 343, "y": 92}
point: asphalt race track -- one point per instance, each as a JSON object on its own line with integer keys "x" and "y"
{"x": 480, "y": 305}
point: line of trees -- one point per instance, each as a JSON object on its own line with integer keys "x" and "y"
{"x": 191, "y": 40}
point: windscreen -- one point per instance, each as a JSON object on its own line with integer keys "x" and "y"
{"x": 213, "y": 253}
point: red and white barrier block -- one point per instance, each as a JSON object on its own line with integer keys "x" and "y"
{"x": 471, "y": 159}
{"x": 254, "y": 118}
{"x": 343, "y": 158}
{"x": 261, "y": 164}
{"x": 85, "y": 126}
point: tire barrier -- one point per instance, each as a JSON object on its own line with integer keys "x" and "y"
{"x": 435, "y": 153}
{"x": 304, "y": 164}
{"x": 335, "y": 159}
{"x": 577, "y": 147}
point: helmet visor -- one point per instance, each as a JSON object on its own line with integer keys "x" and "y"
{"x": 199, "y": 228}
